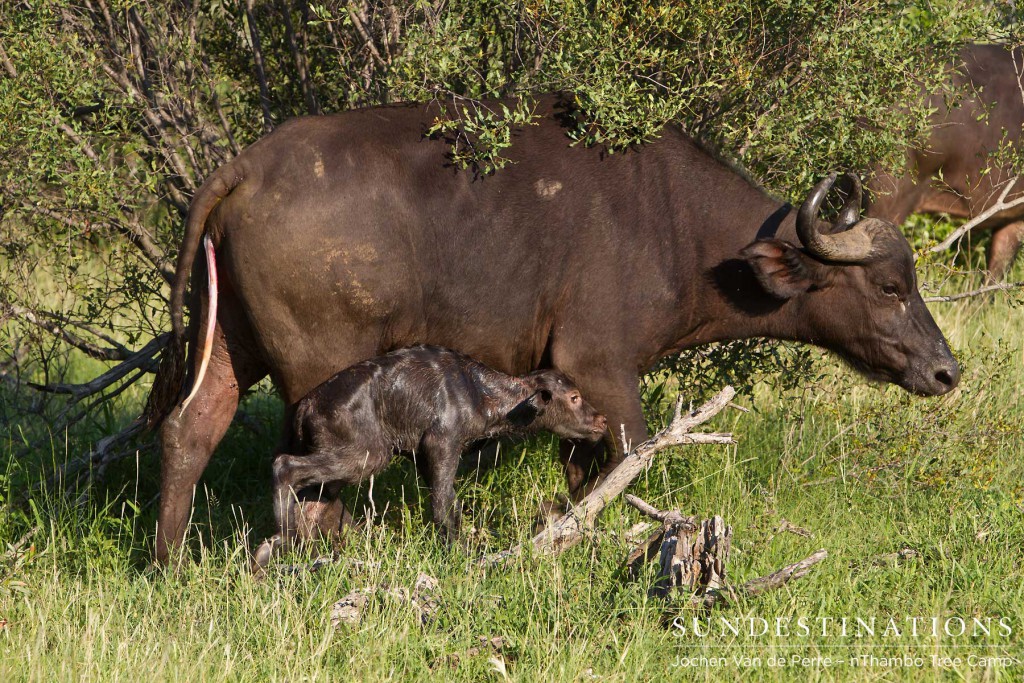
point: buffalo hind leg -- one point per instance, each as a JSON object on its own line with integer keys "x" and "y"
{"x": 188, "y": 439}
{"x": 1002, "y": 250}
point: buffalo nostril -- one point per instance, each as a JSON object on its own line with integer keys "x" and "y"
{"x": 946, "y": 377}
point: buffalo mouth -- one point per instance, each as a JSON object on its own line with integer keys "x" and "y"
{"x": 936, "y": 380}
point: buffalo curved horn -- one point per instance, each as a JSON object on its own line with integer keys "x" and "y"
{"x": 846, "y": 246}
{"x": 850, "y": 213}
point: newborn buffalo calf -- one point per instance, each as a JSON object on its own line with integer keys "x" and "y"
{"x": 427, "y": 402}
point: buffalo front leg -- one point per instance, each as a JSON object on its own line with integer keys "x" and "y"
{"x": 189, "y": 437}
{"x": 1002, "y": 250}
{"x": 587, "y": 464}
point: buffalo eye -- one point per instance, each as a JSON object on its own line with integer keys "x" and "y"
{"x": 890, "y": 290}
{"x": 575, "y": 398}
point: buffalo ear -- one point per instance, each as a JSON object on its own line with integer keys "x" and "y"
{"x": 530, "y": 409}
{"x": 781, "y": 269}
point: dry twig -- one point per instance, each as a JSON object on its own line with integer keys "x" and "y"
{"x": 1001, "y": 204}
{"x": 974, "y": 292}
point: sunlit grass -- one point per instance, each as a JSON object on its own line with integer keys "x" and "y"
{"x": 868, "y": 470}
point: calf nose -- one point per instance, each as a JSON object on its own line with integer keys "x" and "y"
{"x": 601, "y": 422}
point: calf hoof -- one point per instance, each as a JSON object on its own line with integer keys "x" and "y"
{"x": 550, "y": 511}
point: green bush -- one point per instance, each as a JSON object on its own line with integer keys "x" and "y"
{"x": 112, "y": 113}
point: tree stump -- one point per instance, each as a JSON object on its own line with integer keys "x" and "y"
{"x": 693, "y": 556}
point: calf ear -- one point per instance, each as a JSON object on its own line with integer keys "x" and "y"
{"x": 781, "y": 269}
{"x": 531, "y": 408}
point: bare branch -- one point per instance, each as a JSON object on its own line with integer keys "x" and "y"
{"x": 300, "y": 60}
{"x": 974, "y": 292}
{"x": 78, "y": 140}
{"x": 141, "y": 238}
{"x": 143, "y": 358}
{"x": 7, "y": 63}
{"x": 58, "y": 327}
{"x": 131, "y": 228}
{"x": 157, "y": 136}
{"x": 783, "y": 576}
{"x": 668, "y": 517}
{"x": 360, "y": 24}
{"x": 1000, "y": 205}
{"x": 261, "y": 76}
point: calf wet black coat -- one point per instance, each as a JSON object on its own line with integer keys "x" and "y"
{"x": 426, "y": 402}
{"x": 339, "y": 238}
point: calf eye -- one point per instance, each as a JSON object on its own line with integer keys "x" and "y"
{"x": 575, "y": 398}
{"x": 890, "y": 290}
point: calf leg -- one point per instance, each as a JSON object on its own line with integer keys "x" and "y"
{"x": 303, "y": 482}
{"x": 437, "y": 463}
{"x": 189, "y": 438}
{"x": 301, "y": 514}
{"x": 1002, "y": 250}
{"x": 320, "y": 506}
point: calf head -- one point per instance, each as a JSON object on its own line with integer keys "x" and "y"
{"x": 852, "y": 289}
{"x": 556, "y": 405}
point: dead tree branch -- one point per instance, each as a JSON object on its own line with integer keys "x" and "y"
{"x": 665, "y": 517}
{"x": 570, "y": 528}
{"x": 59, "y": 328}
{"x": 1001, "y": 204}
{"x": 974, "y": 292}
{"x": 257, "y": 58}
{"x": 783, "y": 576}
{"x": 143, "y": 358}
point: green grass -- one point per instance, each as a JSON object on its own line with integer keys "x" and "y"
{"x": 867, "y": 470}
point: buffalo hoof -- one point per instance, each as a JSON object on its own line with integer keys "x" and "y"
{"x": 550, "y": 511}
{"x": 265, "y": 553}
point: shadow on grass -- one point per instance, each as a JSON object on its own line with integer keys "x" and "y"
{"x": 232, "y": 501}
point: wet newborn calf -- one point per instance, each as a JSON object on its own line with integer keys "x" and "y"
{"x": 425, "y": 401}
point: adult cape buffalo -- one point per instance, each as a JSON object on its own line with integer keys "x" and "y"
{"x": 342, "y": 237}
{"x": 956, "y": 172}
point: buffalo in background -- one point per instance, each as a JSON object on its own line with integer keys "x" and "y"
{"x": 959, "y": 172}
